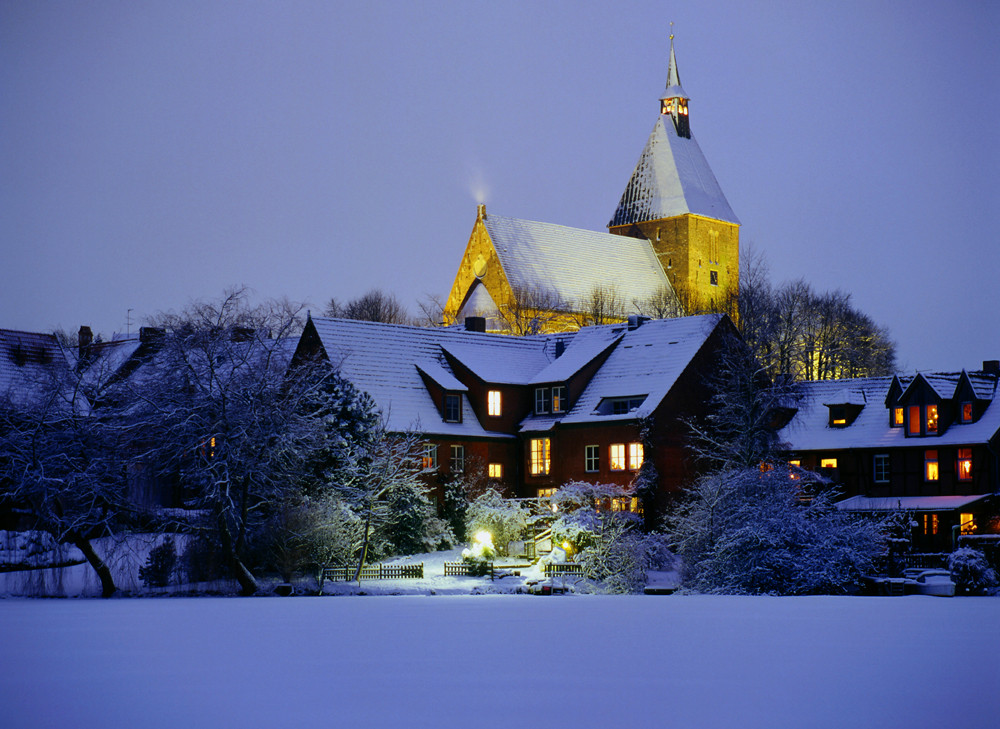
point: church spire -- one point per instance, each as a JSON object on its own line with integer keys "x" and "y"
{"x": 674, "y": 102}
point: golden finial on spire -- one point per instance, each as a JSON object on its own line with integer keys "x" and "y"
{"x": 671, "y": 31}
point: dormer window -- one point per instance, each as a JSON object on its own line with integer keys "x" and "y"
{"x": 619, "y": 405}
{"x": 913, "y": 412}
{"x": 558, "y": 398}
{"x": 897, "y": 417}
{"x": 543, "y": 400}
{"x": 838, "y": 416}
{"x": 453, "y": 407}
{"x": 493, "y": 403}
{"x": 932, "y": 419}
{"x": 966, "y": 412}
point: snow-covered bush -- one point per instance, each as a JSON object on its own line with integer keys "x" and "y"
{"x": 754, "y": 532}
{"x": 504, "y": 520}
{"x": 480, "y": 555}
{"x": 971, "y": 572}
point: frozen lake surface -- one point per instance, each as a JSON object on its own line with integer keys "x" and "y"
{"x": 500, "y": 661}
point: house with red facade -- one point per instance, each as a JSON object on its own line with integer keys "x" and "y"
{"x": 536, "y": 411}
{"x": 926, "y": 444}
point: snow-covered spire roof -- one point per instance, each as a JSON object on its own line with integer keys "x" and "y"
{"x": 671, "y": 178}
{"x": 674, "y": 90}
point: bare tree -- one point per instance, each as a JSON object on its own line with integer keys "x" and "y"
{"x": 661, "y": 304}
{"x": 604, "y": 305}
{"x": 431, "y": 311}
{"x": 375, "y": 305}
{"x": 529, "y": 310}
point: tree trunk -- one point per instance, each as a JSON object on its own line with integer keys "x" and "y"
{"x": 248, "y": 585}
{"x": 364, "y": 546}
{"x": 94, "y": 560}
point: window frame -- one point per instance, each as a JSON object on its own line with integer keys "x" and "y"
{"x": 932, "y": 466}
{"x": 913, "y": 420}
{"x": 636, "y": 456}
{"x": 966, "y": 412}
{"x": 616, "y": 456}
{"x": 557, "y": 398}
{"x": 591, "y": 458}
{"x": 495, "y": 470}
{"x": 881, "y": 468}
{"x": 897, "y": 418}
{"x": 963, "y": 464}
{"x": 494, "y": 403}
{"x": 453, "y": 414}
{"x": 540, "y": 456}
{"x": 456, "y": 459}
{"x": 543, "y": 400}
{"x": 429, "y": 458}
{"x": 931, "y": 420}
{"x": 830, "y": 463}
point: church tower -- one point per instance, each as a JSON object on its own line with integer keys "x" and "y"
{"x": 674, "y": 201}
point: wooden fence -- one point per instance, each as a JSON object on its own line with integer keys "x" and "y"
{"x": 459, "y": 569}
{"x": 376, "y": 572}
{"x": 561, "y": 569}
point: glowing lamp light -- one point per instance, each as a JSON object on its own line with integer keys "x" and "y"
{"x": 484, "y": 538}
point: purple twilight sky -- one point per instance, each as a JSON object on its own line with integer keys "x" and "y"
{"x": 158, "y": 152}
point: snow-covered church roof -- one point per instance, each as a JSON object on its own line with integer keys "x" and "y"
{"x": 572, "y": 262}
{"x": 671, "y": 178}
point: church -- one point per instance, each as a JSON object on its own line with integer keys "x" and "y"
{"x": 671, "y": 247}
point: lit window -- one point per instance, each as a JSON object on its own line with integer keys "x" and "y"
{"x": 634, "y": 456}
{"x": 897, "y": 417}
{"x": 967, "y": 523}
{"x": 618, "y": 457}
{"x": 914, "y": 426}
{"x": 964, "y": 464}
{"x": 429, "y": 461}
{"x": 540, "y": 456}
{"x": 453, "y": 408}
{"x": 496, "y": 470}
{"x": 457, "y": 459}
{"x": 558, "y": 399}
{"x": 591, "y": 458}
{"x": 828, "y": 463}
{"x": 931, "y": 466}
{"x": 542, "y": 399}
{"x": 966, "y": 412}
{"x": 625, "y": 503}
{"x": 546, "y": 493}
{"x": 838, "y": 415}
{"x": 930, "y": 524}
{"x": 493, "y": 403}
{"x": 932, "y": 418}
{"x": 882, "y": 468}
{"x": 795, "y": 464}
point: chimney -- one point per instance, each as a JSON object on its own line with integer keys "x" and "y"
{"x": 84, "y": 339}
{"x": 635, "y": 321}
{"x": 475, "y": 323}
{"x": 560, "y": 348}
{"x": 991, "y": 366}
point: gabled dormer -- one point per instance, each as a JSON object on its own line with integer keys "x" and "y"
{"x": 972, "y": 396}
{"x": 845, "y": 407}
{"x": 897, "y": 413}
{"x": 923, "y": 407}
{"x": 445, "y": 390}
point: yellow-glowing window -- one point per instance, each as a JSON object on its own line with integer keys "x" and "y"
{"x": 493, "y": 403}
{"x": 932, "y": 418}
{"x": 618, "y": 457}
{"x": 930, "y": 524}
{"x": 968, "y": 523}
{"x": 546, "y": 493}
{"x": 558, "y": 398}
{"x": 897, "y": 417}
{"x": 828, "y": 463}
{"x": 540, "y": 456}
{"x": 496, "y": 470}
{"x": 966, "y": 412}
{"x": 794, "y": 464}
{"x": 964, "y": 464}
{"x": 931, "y": 466}
{"x": 914, "y": 427}
{"x": 429, "y": 461}
{"x": 634, "y": 456}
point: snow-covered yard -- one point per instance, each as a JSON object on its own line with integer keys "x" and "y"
{"x": 500, "y": 661}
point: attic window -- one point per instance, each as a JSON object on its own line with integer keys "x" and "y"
{"x": 453, "y": 407}
{"x": 932, "y": 419}
{"x": 558, "y": 398}
{"x": 493, "y": 403}
{"x": 838, "y": 416}
{"x": 897, "y": 417}
{"x": 966, "y": 412}
{"x": 620, "y": 405}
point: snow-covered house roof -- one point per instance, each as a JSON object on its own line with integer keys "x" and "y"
{"x": 572, "y": 262}
{"x": 29, "y": 363}
{"x": 671, "y": 178}
{"x": 644, "y": 365}
{"x": 810, "y": 429}
{"x": 908, "y": 503}
{"x": 390, "y": 362}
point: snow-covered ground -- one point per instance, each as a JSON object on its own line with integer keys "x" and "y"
{"x": 500, "y": 661}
